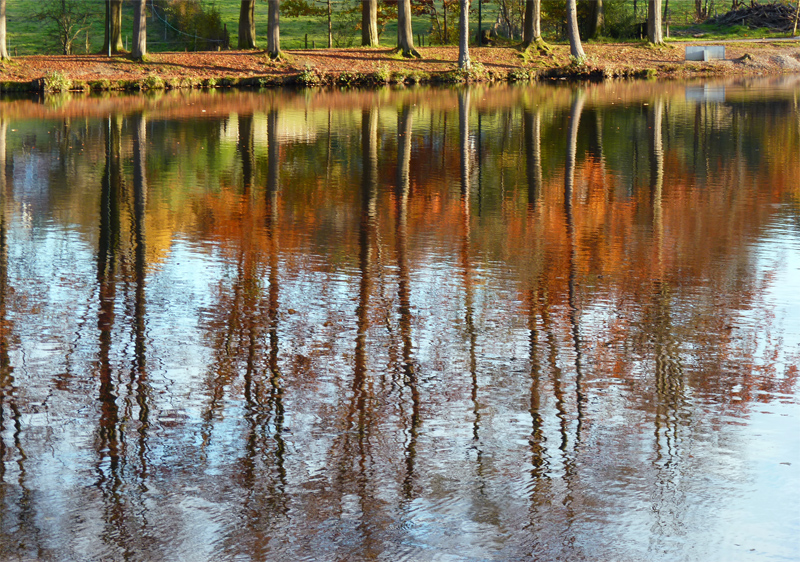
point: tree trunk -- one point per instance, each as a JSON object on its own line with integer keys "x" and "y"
{"x": 532, "y": 22}
{"x": 139, "y": 50}
{"x": 575, "y": 47}
{"x": 3, "y": 47}
{"x": 446, "y": 36}
{"x": 463, "y": 36}
{"x": 655, "y": 34}
{"x": 247, "y": 25}
{"x": 369, "y": 23}
{"x": 330, "y": 25}
{"x": 595, "y": 18}
{"x": 113, "y": 27}
{"x": 274, "y": 29}
{"x": 405, "y": 35}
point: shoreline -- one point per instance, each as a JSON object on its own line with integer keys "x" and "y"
{"x": 378, "y": 66}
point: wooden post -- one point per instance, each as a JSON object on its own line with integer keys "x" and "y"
{"x": 306, "y": 40}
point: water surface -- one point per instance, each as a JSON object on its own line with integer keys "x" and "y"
{"x": 533, "y": 323}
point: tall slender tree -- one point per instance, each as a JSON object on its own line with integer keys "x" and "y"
{"x": 247, "y": 25}
{"x": 596, "y": 18}
{"x": 369, "y": 23}
{"x": 655, "y": 33}
{"x": 139, "y": 51}
{"x": 532, "y": 23}
{"x": 3, "y": 47}
{"x": 463, "y": 36}
{"x": 405, "y": 35}
{"x": 575, "y": 47}
{"x": 274, "y": 29}
{"x": 113, "y": 32}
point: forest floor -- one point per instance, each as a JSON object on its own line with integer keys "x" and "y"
{"x": 604, "y": 60}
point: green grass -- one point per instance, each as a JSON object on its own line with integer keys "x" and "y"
{"x": 25, "y": 35}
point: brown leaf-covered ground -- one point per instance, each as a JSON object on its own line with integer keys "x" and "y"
{"x": 743, "y": 57}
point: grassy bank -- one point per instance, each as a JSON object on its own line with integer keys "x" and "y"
{"x": 377, "y": 66}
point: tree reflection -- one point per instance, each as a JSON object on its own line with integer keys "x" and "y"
{"x": 114, "y": 261}
{"x": 244, "y": 331}
{"x": 589, "y": 307}
{"x": 109, "y": 432}
{"x": 20, "y": 534}
{"x": 403, "y": 188}
{"x": 532, "y": 126}
{"x": 569, "y": 175}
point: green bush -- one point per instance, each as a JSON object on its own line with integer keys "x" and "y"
{"x": 153, "y": 82}
{"x": 56, "y": 82}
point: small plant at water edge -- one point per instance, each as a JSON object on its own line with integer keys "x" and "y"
{"x": 307, "y": 77}
{"x": 153, "y": 82}
{"x": 56, "y": 82}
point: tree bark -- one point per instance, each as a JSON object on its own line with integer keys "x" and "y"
{"x": 463, "y": 36}
{"x": 369, "y": 23}
{"x": 139, "y": 30}
{"x": 532, "y": 22}
{"x": 274, "y": 29}
{"x": 113, "y": 32}
{"x": 655, "y": 34}
{"x": 595, "y": 18}
{"x": 575, "y": 47}
{"x": 3, "y": 46}
{"x": 405, "y": 36}
{"x": 247, "y": 25}
{"x": 330, "y": 25}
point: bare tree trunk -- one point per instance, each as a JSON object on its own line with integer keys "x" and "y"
{"x": 274, "y": 29}
{"x": 595, "y": 18}
{"x": 3, "y": 47}
{"x": 247, "y": 25}
{"x": 369, "y": 23}
{"x": 405, "y": 35}
{"x": 655, "y": 34}
{"x": 463, "y": 36}
{"x": 139, "y": 50}
{"x": 532, "y": 23}
{"x": 575, "y": 47}
{"x": 113, "y": 27}
{"x": 330, "y": 25}
{"x": 446, "y": 36}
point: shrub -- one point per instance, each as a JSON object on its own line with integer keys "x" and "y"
{"x": 308, "y": 77}
{"x": 56, "y": 82}
{"x": 153, "y": 82}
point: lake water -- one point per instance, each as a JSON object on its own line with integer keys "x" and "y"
{"x": 498, "y": 323}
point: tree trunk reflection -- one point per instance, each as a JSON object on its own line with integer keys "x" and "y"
{"x": 404, "y": 121}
